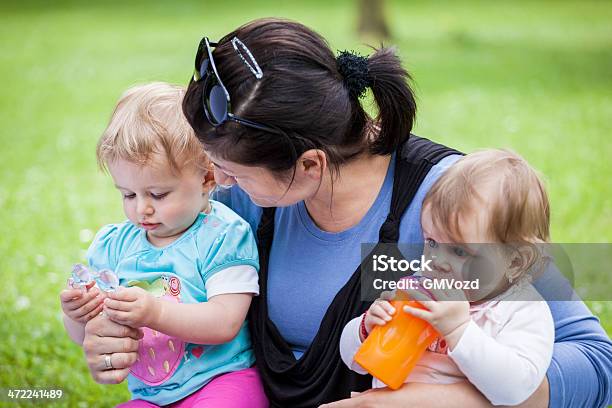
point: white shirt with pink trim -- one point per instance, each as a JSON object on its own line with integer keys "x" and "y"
{"x": 504, "y": 352}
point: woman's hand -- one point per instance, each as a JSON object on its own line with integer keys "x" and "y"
{"x": 132, "y": 307}
{"x": 449, "y": 313}
{"x": 461, "y": 394}
{"x": 82, "y": 304}
{"x": 104, "y": 337}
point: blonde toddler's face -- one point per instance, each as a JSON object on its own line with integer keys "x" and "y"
{"x": 476, "y": 258}
{"x": 161, "y": 202}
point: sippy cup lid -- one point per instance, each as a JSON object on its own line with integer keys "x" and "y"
{"x": 416, "y": 283}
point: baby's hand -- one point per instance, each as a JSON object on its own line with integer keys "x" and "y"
{"x": 132, "y": 307}
{"x": 82, "y": 304}
{"x": 449, "y": 313}
{"x": 378, "y": 314}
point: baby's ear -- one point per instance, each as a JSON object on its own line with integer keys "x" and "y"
{"x": 208, "y": 182}
{"x": 523, "y": 257}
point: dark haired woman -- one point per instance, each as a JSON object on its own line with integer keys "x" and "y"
{"x": 280, "y": 117}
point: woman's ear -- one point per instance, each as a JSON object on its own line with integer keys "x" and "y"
{"x": 312, "y": 164}
{"x": 522, "y": 258}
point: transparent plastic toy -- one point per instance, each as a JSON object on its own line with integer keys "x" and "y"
{"x": 106, "y": 280}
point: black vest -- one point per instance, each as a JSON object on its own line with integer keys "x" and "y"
{"x": 320, "y": 376}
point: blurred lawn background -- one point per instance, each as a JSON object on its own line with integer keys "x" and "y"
{"x": 529, "y": 75}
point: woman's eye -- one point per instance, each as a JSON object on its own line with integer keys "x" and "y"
{"x": 129, "y": 196}
{"x": 431, "y": 243}
{"x": 159, "y": 196}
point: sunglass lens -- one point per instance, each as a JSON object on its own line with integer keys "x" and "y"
{"x": 218, "y": 104}
{"x": 204, "y": 68}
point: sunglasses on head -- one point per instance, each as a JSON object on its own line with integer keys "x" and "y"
{"x": 215, "y": 98}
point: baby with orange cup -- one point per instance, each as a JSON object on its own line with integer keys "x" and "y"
{"x": 482, "y": 220}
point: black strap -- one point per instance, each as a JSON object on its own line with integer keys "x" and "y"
{"x": 320, "y": 376}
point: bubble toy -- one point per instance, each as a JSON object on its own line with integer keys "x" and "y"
{"x": 105, "y": 279}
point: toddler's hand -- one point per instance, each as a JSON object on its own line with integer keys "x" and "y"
{"x": 132, "y": 307}
{"x": 82, "y": 304}
{"x": 378, "y": 314}
{"x": 449, "y": 314}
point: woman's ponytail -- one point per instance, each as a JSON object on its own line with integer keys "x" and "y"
{"x": 308, "y": 93}
{"x": 394, "y": 98}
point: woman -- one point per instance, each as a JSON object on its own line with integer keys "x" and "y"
{"x": 280, "y": 117}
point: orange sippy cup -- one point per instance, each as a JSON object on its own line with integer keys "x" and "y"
{"x": 390, "y": 352}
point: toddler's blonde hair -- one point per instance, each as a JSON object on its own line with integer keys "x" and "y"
{"x": 518, "y": 207}
{"x": 148, "y": 121}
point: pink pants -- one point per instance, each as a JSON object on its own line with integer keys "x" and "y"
{"x": 239, "y": 389}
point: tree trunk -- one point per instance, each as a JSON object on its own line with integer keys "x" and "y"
{"x": 372, "y": 21}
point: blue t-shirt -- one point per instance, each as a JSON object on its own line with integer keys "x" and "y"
{"x": 309, "y": 266}
{"x": 185, "y": 271}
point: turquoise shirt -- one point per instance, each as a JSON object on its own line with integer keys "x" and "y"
{"x": 169, "y": 369}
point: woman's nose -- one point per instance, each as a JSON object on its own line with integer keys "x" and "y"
{"x": 223, "y": 179}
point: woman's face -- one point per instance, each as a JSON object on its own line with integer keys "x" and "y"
{"x": 265, "y": 188}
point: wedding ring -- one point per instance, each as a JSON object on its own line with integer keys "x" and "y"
{"x": 108, "y": 362}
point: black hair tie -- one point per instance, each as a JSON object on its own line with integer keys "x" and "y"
{"x": 354, "y": 70}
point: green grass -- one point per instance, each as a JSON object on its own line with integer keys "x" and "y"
{"x": 532, "y": 76}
